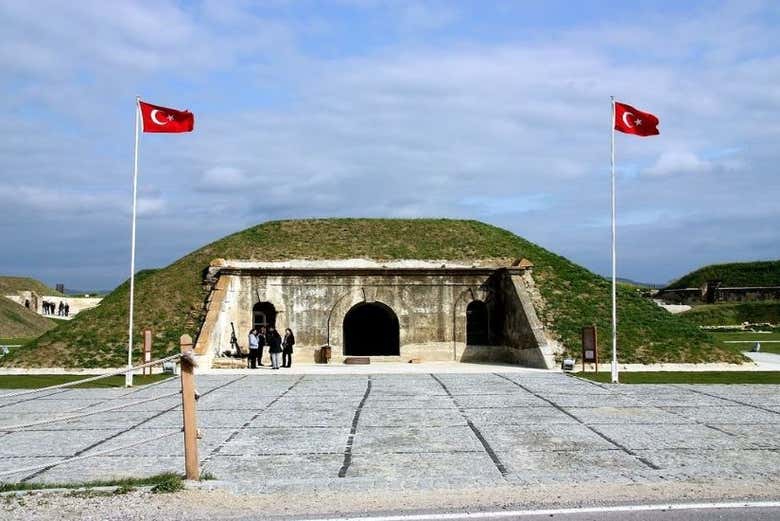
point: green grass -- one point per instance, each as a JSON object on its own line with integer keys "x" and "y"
{"x": 160, "y": 483}
{"x": 10, "y": 285}
{"x": 750, "y": 337}
{"x": 170, "y": 301}
{"x": 759, "y": 273}
{"x": 733, "y": 313}
{"x": 18, "y": 321}
{"x": 14, "y": 341}
{"x": 689, "y": 377}
{"x": 36, "y": 381}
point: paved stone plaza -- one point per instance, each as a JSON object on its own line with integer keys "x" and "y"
{"x": 268, "y": 431}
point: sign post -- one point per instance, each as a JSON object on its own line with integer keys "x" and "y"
{"x": 147, "y": 349}
{"x": 590, "y": 351}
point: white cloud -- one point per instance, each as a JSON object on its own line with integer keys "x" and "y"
{"x": 669, "y": 163}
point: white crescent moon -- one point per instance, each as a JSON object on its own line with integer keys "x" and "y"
{"x": 629, "y": 125}
{"x": 153, "y": 115}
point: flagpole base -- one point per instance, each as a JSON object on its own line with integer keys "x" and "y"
{"x": 129, "y": 379}
{"x": 615, "y": 373}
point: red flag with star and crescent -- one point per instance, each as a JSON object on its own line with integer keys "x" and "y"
{"x": 164, "y": 119}
{"x": 633, "y": 121}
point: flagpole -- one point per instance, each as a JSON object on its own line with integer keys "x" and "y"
{"x": 614, "y": 270}
{"x": 129, "y": 374}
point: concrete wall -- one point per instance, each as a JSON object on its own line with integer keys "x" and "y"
{"x": 430, "y": 307}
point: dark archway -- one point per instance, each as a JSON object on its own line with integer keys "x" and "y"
{"x": 371, "y": 329}
{"x": 477, "y": 330}
{"x": 263, "y": 315}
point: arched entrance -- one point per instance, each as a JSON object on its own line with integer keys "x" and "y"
{"x": 477, "y": 324}
{"x": 263, "y": 315}
{"x": 371, "y": 329}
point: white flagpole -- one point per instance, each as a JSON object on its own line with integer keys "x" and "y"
{"x": 129, "y": 374}
{"x": 614, "y": 276}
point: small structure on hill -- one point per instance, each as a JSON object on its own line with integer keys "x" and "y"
{"x": 391, "y": 311}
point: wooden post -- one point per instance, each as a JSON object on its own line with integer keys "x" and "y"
{"x": 147, "y": 350}
{"x": 191, "y": 461}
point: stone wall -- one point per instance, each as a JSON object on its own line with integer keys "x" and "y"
{"x": 693, "y": 296}
{"x": 429, "y": 303}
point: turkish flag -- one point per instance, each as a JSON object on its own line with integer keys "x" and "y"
{"x": 633, "y": 121}
{"x": 163, "y": 119}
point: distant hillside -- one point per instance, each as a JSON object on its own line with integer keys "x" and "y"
{"x": 19, "y": 322}
{"x": 10, "y": 285}
{"x": 729, "y": 314}
{"x": 760, "y": 273}
{"x": 170, "y": 301}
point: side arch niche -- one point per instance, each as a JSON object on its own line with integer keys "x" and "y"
{"x": 477, "y": 324}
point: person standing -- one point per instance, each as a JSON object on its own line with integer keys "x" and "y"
{"x": 261, "y": 342}
{"x": 254, "y": 342}
{"x": 274, "y": 347}
{"x": 67, "y": 309}
{"x": 287, "y": 347}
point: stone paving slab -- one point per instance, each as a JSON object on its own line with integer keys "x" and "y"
{"x": 702, "y": 464}
{"x": 623, "y": 415}
{"x": 381, "y": 417}
{"x": 273, "y": 431}
{"x": 286, "y": 440}
{"x": 517, "y": 416}
{"x": 273, "y": 470}
{"x": 549, "y": 437}
{"x": 285, "y": 416}
{"x": 386, "y": 440}
{"x": 599, "y": 466}
{"x": 665, "y": 437}
{"x": 725, "y": 414}
{"x": 112, "y": 467}
{"x": 50, "y": 442}
{"x": 444, "y": 468}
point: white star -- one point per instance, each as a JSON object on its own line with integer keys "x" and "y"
{"x": 637, "y": 122}
{"x": 170, "y": 117}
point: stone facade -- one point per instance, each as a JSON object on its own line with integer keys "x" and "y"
{"x": 338, "y": 303}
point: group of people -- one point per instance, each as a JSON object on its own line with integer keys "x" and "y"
{"x": 277, "y": 347}
{"x": 51, "y": 308}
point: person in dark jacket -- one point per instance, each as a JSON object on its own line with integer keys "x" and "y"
{"x": 287, "y": 347}
{"x": 260, "y": 342}
{"x": 274, "y": 347}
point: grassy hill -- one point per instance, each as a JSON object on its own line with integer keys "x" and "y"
{"x": 170, "y": 300}
{"x": 10, "y": 285}
{"x": 729, "y": 314}
{"x": 19, "y": 322}
{"x": 760, "y": 273}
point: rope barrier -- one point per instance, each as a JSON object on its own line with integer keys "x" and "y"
{"x": 22, "y": 426}
{"x": 91, "y": 379}
{"x": 78, "y": 458}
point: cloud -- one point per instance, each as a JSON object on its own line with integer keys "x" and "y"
{"x": 669, "y": 163}
{"x": 421, "y": 115}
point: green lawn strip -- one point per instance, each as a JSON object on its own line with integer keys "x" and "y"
{"x": 35, "y": 381}
{"x": 13, "y": 341}
{"x": 166, "y": 482}
{"x": 688, "y": 377}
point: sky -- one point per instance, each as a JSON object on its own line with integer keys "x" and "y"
{"x": 497, "y": 111}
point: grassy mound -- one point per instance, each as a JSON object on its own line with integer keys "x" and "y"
{"x": 19, "y": 322}
{"x": 170, "y": 301}
{"x": 728, "y": 314}
{"x": 10, "y": 285}
{"x": 735, "y": 274}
